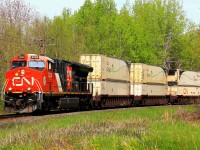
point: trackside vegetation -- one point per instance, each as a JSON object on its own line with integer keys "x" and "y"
{"x": 1, "y": 106}
{"x": 175, "y": 127}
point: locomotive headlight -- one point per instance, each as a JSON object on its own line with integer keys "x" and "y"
{"x": 29, "y": 89}
{"x": 10, "y": 89}
{"x": 23, "y": 72}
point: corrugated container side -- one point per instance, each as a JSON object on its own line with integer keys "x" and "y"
{"x": 148, "y": 89}
{"x": 188, "y": 91}
{"x": 142, "y": 73}
{"x": 95, "y": 62}
{"x": 183, "y": 91}
{"x": 136, "y": 73}
{"x": 172, "y": 78}
{"x": 172, "y": 90}
{"x": 189, "y": 78}
{"x": 106, "y": 67}
{"x": 136, "y": 90}
{"x": 110, "y": 88}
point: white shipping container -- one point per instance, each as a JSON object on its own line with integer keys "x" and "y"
{"x": 110, "y": 88}
{"x": 183, "y": 91}
{"x": 189, "y": 78}
{"x": 188, "y": 91}
{"x": 106, "y": 67}
{"x": 172, "y": 90}
{"x": 142, "y": 73}
{"x": 173, "y": 75}
{"x": 148, "y": 89}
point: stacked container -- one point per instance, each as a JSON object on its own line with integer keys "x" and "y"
{"x": 184, "y": 83}
{"x": 110, "y": 75}
{"x": 146, "y": 80}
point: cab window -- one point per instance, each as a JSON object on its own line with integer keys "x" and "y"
{"x": 38, "y": 65}
{"x": 50, "y": 66}
{"x": 16, "y": 64}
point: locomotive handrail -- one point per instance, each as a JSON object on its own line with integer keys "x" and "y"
{"x": 80, "y": 87}
{"x": 40, "y": 95}
{"x": 38, "y": 85}
{"x": 3, "y": 89}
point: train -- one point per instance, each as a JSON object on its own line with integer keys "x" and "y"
{"x": 37, "y": 83}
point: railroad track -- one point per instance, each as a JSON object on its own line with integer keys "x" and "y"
{"x": 11, "y": 116}
{"x": 63, "y": 113}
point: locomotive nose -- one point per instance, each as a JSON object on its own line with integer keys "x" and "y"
{"x": 21, "y": 80}
{"x": 20, "y": 90}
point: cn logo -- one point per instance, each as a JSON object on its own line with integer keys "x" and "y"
{"x": 20, "y": 81}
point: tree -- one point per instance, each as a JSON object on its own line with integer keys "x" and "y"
{"x": 159, "y": 26}
{"x": 189, "y": 58}
{"x": 15, "y": 16}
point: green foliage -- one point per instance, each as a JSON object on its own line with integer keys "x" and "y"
{"x": 189, "y": 57}
{"x": 159, "y": 26}
{"x": 150, "y": 31}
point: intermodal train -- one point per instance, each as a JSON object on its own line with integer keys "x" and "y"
{"x": 38, "y": 83}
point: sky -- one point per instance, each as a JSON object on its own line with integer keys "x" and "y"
{"x": 51, "y": 8}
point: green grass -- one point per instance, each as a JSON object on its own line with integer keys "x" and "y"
{"x": 138, "y": 128}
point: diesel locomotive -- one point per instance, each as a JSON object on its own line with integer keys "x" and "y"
{"x": 36, "y": 82}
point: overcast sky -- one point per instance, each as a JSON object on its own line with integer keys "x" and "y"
{"x": 53, "y": 8}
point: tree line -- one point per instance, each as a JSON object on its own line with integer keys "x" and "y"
{"x": 150, "y": 31}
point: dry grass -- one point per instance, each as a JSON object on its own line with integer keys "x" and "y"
{"x": 80, "y": 135}
{"x": 188, "y": 116}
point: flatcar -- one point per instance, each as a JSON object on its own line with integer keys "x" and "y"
{"x": 36, "y": 82}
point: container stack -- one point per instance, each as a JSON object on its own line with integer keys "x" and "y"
{"x": 184, "y": 83}
{"x": 110, "y": 75}
{"x": 146, "y": 80}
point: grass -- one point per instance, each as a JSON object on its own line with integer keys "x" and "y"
{"x": 1, "y": 106}
{"x": 138, "y": 128}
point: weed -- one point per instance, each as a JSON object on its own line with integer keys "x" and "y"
{"x": 188, "y": 116}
